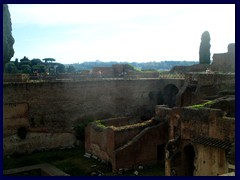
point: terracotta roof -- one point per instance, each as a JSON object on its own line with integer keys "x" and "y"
{"x": 212, "y": 142}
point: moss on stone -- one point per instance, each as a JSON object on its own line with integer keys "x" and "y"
{"x": 197, "y": 106}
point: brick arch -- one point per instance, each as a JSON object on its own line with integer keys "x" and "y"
{"x": 169, "y": 95}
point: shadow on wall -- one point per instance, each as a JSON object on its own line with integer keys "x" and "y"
{"x": 169, "y": 95}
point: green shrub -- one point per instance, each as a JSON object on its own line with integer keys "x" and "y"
{"x": 80, "y": 129}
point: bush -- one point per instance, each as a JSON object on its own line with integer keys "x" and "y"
{"x": 80, "y": 129}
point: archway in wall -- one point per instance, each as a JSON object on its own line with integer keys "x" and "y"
{"x": 169, "y": 95}
{"x": 161, "y": 152}
{"x": 188, "y": 160}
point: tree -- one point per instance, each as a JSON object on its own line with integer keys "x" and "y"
{"x": 8, "y": 39}
{"x": 26, "y": 69}
{"x": 11, "y": 68}
{"x": 36, "y": 62}
{"x": 60, "y": 69}
{"x": 24, "y": 62}
{"x": 49, "y": 60}
{"x": 204, "y": 51}
{"x": 71, "y": 69}
{"x": 41, "y": 68}
{"x": 16, "y": 63}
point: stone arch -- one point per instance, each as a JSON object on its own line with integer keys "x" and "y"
{"x": 169, "y": 95}
{"x": 188, "y": 160}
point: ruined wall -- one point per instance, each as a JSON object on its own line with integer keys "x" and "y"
{"x": 201, "y": 86}
{"x": 126, "y": 146}
{"x": 16, "y": 77}
{"x": 208, "y": 132}
{"x": 36, "y": 142}
{"x": 60, "y": 105}
{"x": 105, "y": 72}
{"x": 29, "y": 139}
{"x": 142, "y": 150}
{"x": 15, "y": 116}
{"x": 210, "y": 161}
{"x": 224, "y": 62}
{"x": 99, "y": 141}
{"x": 120, "y": 121}
{"x": 201, "y": 122}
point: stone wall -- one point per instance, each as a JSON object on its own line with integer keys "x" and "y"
{"x": 208, "y": 133}
{"x": 103, "y": 72}
{"x": 60, "y": 105}
{"x": 224, "y": 62}
{"x": 142, "y": 150}
{"x": 204, "y": 86}
{"x": 29, "y": 139}
{"x": 36, "y": 142}
{"x": 15, "y": 116}
{"x": 208, "y": 161}
{"x": 16, "y": 77}
{"x": 126, "y": 146}
{"x": 99, "y": 141}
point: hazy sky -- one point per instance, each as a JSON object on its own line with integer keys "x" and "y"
{"x": 124, "y": 32}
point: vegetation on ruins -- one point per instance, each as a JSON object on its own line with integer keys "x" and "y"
{"x": 204, "y": 51}
{"x": 197, "y": 106}
{"x": 99, "y": 124}
{"x": 80, "y": 129}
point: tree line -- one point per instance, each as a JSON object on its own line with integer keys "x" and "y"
{"x": 36, "y": 66}
{"x": 50, "y": 67}
{"x": 143, "y": 66}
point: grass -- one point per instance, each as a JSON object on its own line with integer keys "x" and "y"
{"x": 72, "y": 162}
{"x": 197, "y": 106}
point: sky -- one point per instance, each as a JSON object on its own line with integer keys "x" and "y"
{"x": 76, "y": 33}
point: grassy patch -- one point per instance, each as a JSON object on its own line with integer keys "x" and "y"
{"x": 197, "y": 106}
{"x": 100, "y": 125}
{"x": 73, "y": 163}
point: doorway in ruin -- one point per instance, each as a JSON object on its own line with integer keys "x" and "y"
{"x": 161, "y": 152}
{"x": 188, "y": 160}
{"x": 169, "y": 95}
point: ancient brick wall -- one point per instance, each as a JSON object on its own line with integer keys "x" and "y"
{"x": 60, "y": 105}
{"x": 126, "y": 147}
{"x": 103, "y": 72}
{"x": 119, "y": 121}
{"x": 37, "y": 141}
{"x": 201, "y": 122}
{"x": 142, "y": 150}
{"x": 99, "y": 142}
{"x": 29, "y": 139}
{"x": 16, "y": 77}
{"x": 210, "y": 161}
{"x": 14, "y": 117}
{"x": 224, "y": 62}
{"x": 208, "y": 132}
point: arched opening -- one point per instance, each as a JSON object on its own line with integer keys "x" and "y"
{"x": 188, "y": 160}
{"x": 169, "y": 95}
{"x": 161, "y": 152}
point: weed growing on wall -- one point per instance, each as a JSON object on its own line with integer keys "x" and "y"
{"x": 80, "y": 129}
{"x": 197, "y": 106}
